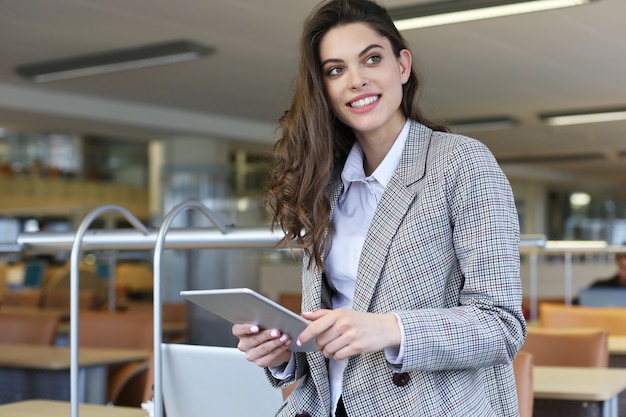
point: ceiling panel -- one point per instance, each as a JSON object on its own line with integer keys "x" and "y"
{"x": 517, "y": 66}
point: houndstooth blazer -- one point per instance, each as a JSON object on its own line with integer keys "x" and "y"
{"x": 443, "y": 253}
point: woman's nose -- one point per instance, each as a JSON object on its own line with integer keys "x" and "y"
{"x": 357, "y": 80}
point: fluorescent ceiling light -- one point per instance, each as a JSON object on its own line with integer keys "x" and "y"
{"x": 456, "y": 11}
{"x": 579, "y": 199}
{"x": 112, "y": 61}
{"x": 583, "y": 118}
{"x": 471, "y": 125}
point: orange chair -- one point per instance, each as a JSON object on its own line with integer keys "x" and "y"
{"x": 125, "y": 331}
{"x": 38, "y": 328}
{"x": 115, "y": 330}
{"x": 60, "y": 299}
{"x": 291, "y": 301}
{"x": 131, "y": 384}
{"x": 560, "y": 316}
{"x": 174, "y": 314}
{"x": 568, "y": 347}
{"x": 169, "y": 311}
{"x": 523, "y": 369}
{"x": 21, "y": 298}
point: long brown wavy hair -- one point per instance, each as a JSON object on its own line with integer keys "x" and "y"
{"x": 313, "y": 140}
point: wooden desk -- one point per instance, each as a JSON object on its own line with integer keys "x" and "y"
{"x": 40, "y": 408}
{"x": 602, "y": 385}
{"x": 30, "y": 371}
{"x": 617, "y": 356}
{"x": 170, "y": 329}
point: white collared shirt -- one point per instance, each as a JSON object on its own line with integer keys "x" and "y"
{"x": 352, "y": 217}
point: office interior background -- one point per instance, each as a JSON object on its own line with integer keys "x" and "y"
{"x": 151, "y": 137}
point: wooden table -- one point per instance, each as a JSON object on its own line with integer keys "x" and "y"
{"x": 170, "y": 329}
{"x": 617, "y": 345}
{"x": 45, "y": 408}
{"x": 602, "y": 385}
{"x": 617, "y": 354}
{"x": 35, "y": 371}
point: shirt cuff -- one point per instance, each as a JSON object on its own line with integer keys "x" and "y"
{"x": 284, "y": 371}
{"x": 394, "y": 355}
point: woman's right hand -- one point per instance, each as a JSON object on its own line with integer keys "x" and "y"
{"x": 263, "y": 347}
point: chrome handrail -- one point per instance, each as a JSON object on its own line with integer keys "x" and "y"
{"x": 74, "y": 290}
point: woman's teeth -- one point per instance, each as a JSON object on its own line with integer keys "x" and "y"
{"x": 364, "y": 102}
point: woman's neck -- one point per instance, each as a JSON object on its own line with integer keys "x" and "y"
{"x": 376, "y": 145}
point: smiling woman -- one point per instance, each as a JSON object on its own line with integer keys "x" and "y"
{"x": 357, "y": 71}
{"x": 410, "y": 234}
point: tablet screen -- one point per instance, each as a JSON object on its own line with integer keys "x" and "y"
{"x": 243, "y": 305}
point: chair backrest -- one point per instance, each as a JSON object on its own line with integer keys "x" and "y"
{"x": 568, "y": 347}
{"x": 129, "y": 384}
{"x": 22, "y": 298}
{"x": 560, "y": 316}
{"x": 523, "y": 369}
{"x": 36, "y": 328}
{"x": 103, "y": 329}
{"x": 115, "y": 330}
{"x": 173, "y": 318}
{"x": 170, "y": 311}
{"x": 60, "y": 299}
{"x": 292, "y": 301}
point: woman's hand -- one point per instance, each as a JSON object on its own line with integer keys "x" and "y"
{"x": 342, "y": 333}
{"x": 263, "y": 347}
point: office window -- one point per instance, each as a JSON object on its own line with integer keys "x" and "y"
{"x": 587, "y": 215}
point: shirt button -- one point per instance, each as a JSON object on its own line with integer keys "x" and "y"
{"x": 401, "y": 379}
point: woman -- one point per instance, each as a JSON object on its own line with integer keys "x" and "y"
{"x": 410, "y": 235}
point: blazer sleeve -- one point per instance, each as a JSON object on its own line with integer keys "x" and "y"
{"x": 484, "y": 326}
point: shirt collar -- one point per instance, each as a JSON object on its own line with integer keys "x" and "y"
{"x": 353, "y": 168}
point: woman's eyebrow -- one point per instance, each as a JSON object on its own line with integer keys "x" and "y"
{"x": 331, "y": 60}
{"x": 369, "y": 48}
{"x": 363, "y": 52}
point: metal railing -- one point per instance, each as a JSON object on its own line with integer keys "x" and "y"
{"x": 219, "y": 237}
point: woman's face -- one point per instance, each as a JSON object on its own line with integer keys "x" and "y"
{"x": 363, "y": 79}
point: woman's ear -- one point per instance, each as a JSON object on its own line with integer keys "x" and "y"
{"x": 404, "y": 63}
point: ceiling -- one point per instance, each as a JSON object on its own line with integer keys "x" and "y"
{"x": 518, "y": 66}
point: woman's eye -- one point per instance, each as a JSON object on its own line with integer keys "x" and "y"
{"x": 374, "y": 59}
{"x": 334, "y": 71}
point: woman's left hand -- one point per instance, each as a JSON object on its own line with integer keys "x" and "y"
{"x": 342, "y": 333}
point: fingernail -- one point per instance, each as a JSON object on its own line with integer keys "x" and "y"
{"x": 254, "y": 329}
{"x": 283, "y": 338}
{"x": 274, "y": 333}
{"x": 298, "y": 342}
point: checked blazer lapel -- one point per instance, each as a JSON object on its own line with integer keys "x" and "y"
{"x": 391, "y": 209}
{"x": 312, "y": 287}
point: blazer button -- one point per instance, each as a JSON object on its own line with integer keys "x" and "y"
{"x": 401, "y": 379}
{"x": 303, "y": 414}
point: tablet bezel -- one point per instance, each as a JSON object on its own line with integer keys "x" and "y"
{"x": 244, "y": 305}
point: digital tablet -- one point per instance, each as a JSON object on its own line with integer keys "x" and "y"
{"x": 243, "y": 305}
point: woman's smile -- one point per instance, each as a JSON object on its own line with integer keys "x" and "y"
{"x": 363, "y": 77}
{"x": 365, "y": 102}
